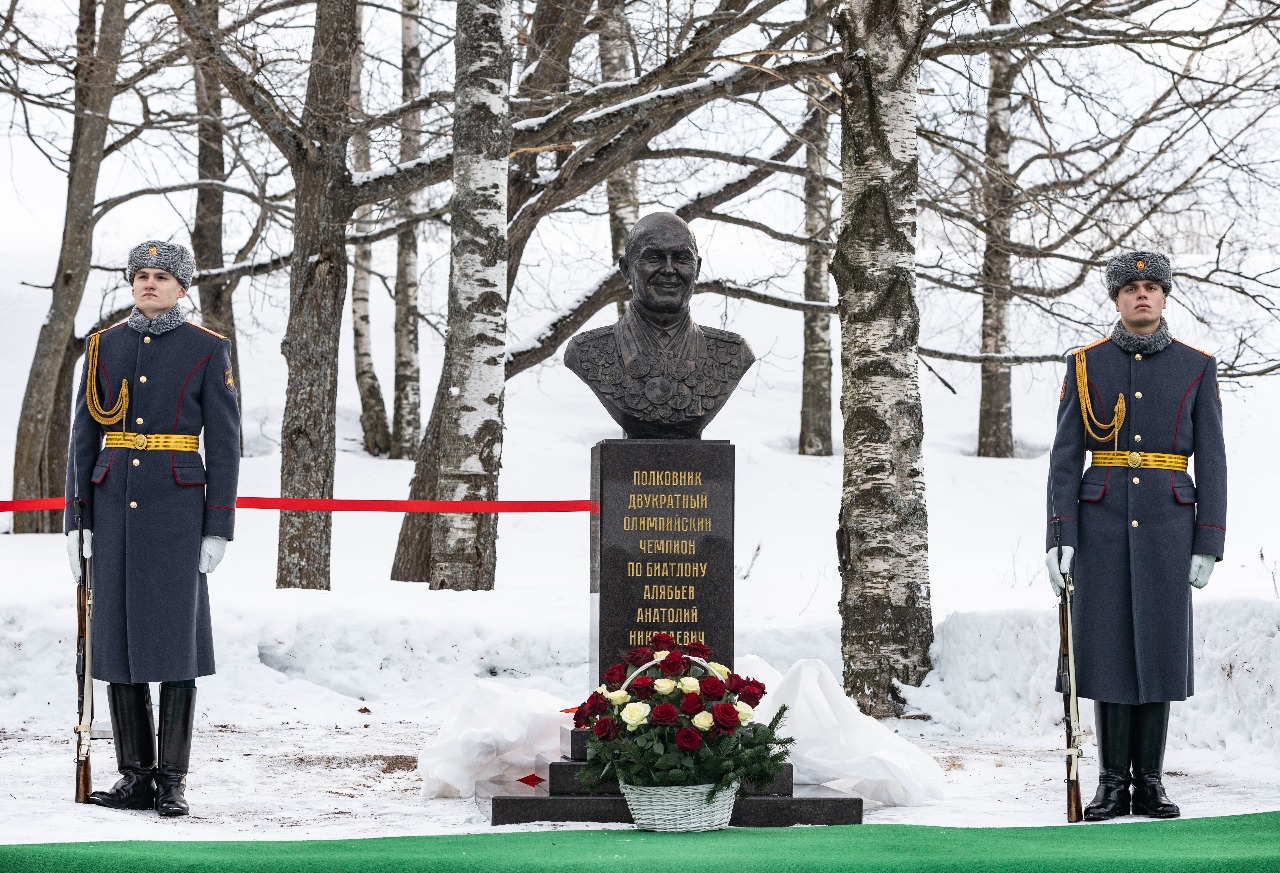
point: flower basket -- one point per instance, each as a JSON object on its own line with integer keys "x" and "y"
{"x": 682, "y": 808}
{"x": 678, "y": 732}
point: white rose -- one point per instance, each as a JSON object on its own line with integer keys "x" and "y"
{"x": 664, "y": 685}
{"x": 603, "y": 690}
{"x": 617, "y": 698}
{"x": 720, "y": 670}
{"x": 660, "y": 655}
{"x": 635, "y": 714}
{"x": 703, "y": 721}
{"x": 689, "y": 685}
{"x": 744, "y": 712}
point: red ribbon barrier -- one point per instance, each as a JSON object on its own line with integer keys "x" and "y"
{"x": 308, "y": 504}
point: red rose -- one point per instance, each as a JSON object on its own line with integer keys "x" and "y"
{"x": 639, "y": 657}
{"x": 615, "y": 676}
{"x": 688, "y": 739}
{"x": 725, "y": 715}
{"x": 641, "y": 688}
{"x": 717, "y": 731}
{"x": 662, "y": 641}
{"x": 711, "y": 688}
{"x": 596, "y": 704}
{"x": 665, "y": 713}
{"x": 605, "y": 728}
{"x": 580, "y": 717}
{"x": 734, "y": 683}
{"x": 691, "y": 704}
{"x": 673, "y": 664}
{"x": 751, "y": 694}
{"x": 699, "y": 650}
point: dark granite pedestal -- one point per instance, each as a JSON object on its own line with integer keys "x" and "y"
{"x": 560, "y": 797}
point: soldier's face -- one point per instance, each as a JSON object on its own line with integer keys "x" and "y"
{"x": 156, "y": 291}
{"x": 662, "y": 268}
{"x": 1140, "y": 305}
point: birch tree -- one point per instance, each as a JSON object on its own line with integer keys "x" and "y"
{"x": 882, "y": 539}
{"x": 407, "y": 406}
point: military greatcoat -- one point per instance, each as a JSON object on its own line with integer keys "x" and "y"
{"x": 1135, "y": 529}
{"x": 149, "y": 509}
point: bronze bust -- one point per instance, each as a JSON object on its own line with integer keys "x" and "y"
{"x": 657, "y": 373}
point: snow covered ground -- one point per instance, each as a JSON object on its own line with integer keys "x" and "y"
{"x": 322, "y": 700}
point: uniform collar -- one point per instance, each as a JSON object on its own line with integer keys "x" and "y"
{"x": 162, "y": 323}
{"x": 1146, "y": 344}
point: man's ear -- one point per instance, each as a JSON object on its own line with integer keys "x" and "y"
{"x": 182, "y": 292}
{"x": 622, "y": 266}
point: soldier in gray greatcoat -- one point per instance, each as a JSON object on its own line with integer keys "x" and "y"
{"x": 1135, "y": 530}
{"x": 156, "y": 517}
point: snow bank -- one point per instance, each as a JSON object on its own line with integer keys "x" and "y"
{"x": 994, "y": 673}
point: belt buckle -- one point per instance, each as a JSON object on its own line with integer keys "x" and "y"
{"x": 1135, "y": 459}
{"x": 140, "y": 441}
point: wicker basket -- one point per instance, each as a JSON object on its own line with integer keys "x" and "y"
{"x": 679, "y": 807}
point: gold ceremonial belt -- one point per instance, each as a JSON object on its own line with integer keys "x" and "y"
{"x": 169, "y": 442}
{"x": 1150, "y": 460}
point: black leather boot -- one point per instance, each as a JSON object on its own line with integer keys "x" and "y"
{"x": 135, "y": 739}
{"x": 1149, "y": 730}
{"x": 177, "y": 717}
{"x": 1113, "y": 725}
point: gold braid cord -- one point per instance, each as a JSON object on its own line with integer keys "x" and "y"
{"x": 103, "y": 416}
{"x": 1104, "y": 430}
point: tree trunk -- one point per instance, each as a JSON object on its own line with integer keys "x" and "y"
{"x": 373, "y": 410}
{"x": 39, "y": 461}
{"x": 407, "y": 414}
{"x": 622, "y": 188}
{"x": 995, "y": 411}
{"x": 882, "y": 540}
{"x": 216, "y": 312}
{"x": 815, "y": 391}
{"x": 317, "y": 293}
{"x": 466, "y": 432}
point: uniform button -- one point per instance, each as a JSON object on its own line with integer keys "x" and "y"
{"x": 1136, "y": 480}
{"x": 136, "y": 462}
{"x": 1137, "y": 394}
{"x": 1137, "y": 437}
{"x": 146, "y": 339}
{"x": 1133, "y": 523}
{"x": 142, "y": 378}
{"x": 138, "y": 420}
{"x": 1138, "y": 357}
{"x": 133, "y": 504}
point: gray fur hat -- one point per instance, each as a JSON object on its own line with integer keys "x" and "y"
{"x": 170, "y": 257}
{"x": 1132, "y": 266}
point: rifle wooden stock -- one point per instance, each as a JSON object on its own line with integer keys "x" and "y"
{"x": 1070, "y": 705}
{"x": 84, "y": 675}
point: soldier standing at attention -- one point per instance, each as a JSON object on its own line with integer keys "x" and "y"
{"x": 1136, "y": 532}
{"x": 157, "y": 517}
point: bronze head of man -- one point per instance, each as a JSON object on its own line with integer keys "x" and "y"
{"x": 659, "y": 375}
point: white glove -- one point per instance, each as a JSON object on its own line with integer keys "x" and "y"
{"x": 1057, "y": 570}
{"x": 211, "y": 551}
{"x": 73, "y": 551}
{"x": 1201, "y": 568}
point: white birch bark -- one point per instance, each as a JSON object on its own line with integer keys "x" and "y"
{"x": 407, "y": 412}
{"x": 995, "y": 407}
{"x": 373, "y": 409}
{"x": 883, "y": 528}
{"x": 470, "y": 395}
{"x": 615, "y": 66}
{"x": 815, "y": 391}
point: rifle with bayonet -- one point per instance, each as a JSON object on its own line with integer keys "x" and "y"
{"x": 1067, "y": 680}
{"x": 84, "y": 665}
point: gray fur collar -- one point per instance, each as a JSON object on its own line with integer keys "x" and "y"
{"x": 162, "y": 323}
{"x": 1147, "y": 344}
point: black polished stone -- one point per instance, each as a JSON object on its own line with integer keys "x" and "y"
{"x": 573, "y": 742}
{"x": 661, "y": 546}
{"x": 561, "y": 778}
{"x": 515, "y": 803}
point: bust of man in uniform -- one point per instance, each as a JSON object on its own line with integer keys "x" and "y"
{"x": 657, "y": 373}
